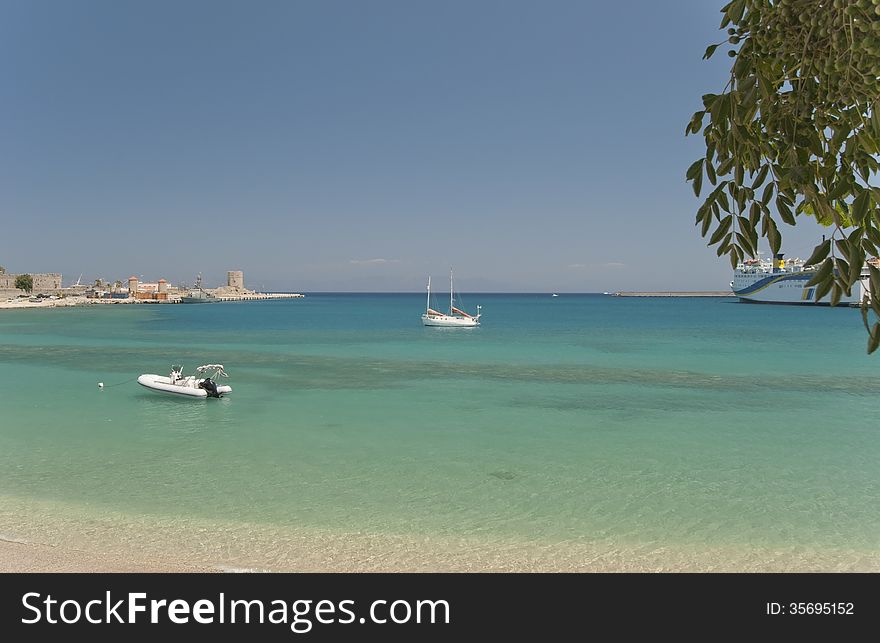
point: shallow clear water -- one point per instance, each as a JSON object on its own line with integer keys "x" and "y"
{"x": 571, "y": 419}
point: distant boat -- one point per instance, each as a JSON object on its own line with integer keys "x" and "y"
{"x": 555, "y": 295}
{"x": 456, "y": 318}
{"x": 199, "y": 295}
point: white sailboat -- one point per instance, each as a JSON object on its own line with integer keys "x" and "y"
{"x": 456, "y": 318}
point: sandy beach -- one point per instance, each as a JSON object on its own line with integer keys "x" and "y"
{"x": 68, "y": 302}
{"x": 41, "y": 536}
{"x": 24, "y": 302}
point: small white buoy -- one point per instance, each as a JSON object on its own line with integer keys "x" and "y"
{"x": 100, "y": 384}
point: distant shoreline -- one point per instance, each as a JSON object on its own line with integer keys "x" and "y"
{"x": 79, "y": 301}
{"x": 677, "y": 293}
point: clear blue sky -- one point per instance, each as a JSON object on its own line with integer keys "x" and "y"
{"x": 358, "y": 146}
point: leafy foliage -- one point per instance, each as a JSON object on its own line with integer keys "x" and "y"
{"x": 796, "y": 131}
{"x": 25, "y": 283}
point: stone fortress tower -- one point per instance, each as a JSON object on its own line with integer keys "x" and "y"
{"x": 235, "y": 279}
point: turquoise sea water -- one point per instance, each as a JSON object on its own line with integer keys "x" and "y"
{"x": 575, "y": 419}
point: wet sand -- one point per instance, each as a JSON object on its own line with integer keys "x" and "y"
{"x": 37, "y": 536}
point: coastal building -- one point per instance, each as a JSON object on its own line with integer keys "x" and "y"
{"x": 147, "y": 290}
{"x": 43, "y": 281}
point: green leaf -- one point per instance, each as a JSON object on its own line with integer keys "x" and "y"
{"x": 722, "y": 229}
{"x": 773, "y": 235}
{"x": 784, "y": 211}
{"x": 874, "y": 338}
{"x": 855, "y": 237}
{"x": 754, "y": 215}
{"x": 875, "y": 305}
{"x": 735, "y": 10}
{"x": 745, "y": 243}
{"x": 762, "y": 175}
{"x": 873, "y": 234}
{"x": 741, "y": 196}
{"x": 839, "y": 189}
{"x": 875, "y": 280}
{"x": 868, "y": 142}
{"x": 698, "y": 184}
{"x": 855, "y": 265}
{"x": 709, "y": 51}
{"x": 842, "y": 267}
{"x": 875, "y": 119}
{"x": 836, "y": 292}
{"x": 823, "y": 288}
{"x": 709, "y": 100}
{"x": 707, "y": 223}
{"x": 819, "y": 253}
{"x": 710, "y": 173}
{"x": 734, "y": 258}
{"x": 764, "y": 86}
{"x": 860, "y": 206}
{"x": 822, "y": 274}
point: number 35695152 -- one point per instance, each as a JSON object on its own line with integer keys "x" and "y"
{"x": 820, "y": 608}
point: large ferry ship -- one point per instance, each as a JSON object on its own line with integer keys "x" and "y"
{"x": 781, "y": 281}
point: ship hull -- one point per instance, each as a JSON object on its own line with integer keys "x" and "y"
{"x": 788, "y": 288}
{"x": 198, "y": 300}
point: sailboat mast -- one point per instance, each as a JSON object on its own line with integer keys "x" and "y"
{"x": 428, "y": 303}
{"x": 450, "y": 292}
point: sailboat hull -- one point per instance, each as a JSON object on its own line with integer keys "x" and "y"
{"x": 449, "y": 321}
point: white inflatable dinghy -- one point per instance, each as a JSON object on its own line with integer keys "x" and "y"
{"x": 200, "y": 385}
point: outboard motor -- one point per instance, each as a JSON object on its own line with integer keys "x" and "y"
{"x": 210, "y": 386}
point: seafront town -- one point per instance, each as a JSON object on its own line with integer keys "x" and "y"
{"x": 46, "y": 291}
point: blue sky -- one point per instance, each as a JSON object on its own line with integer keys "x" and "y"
{"x": 359, "y": 146}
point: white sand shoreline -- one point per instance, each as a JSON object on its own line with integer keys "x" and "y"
{"x": 78, "y": 301}
{"x": 45, "y": 536}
